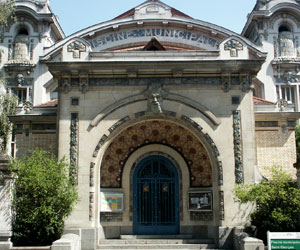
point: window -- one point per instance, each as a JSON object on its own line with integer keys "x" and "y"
{"x": 13, "y": 143}
{"x": 21, "y": 45}
{"x": 21, "y": 93}
{"x": 23, "y": 32}
{"x": 286, "y": 41}
{"x": 288, "y": 94}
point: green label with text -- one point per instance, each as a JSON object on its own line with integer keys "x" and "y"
{"x": 285, "y": 244}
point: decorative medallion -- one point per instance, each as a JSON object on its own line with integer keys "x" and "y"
{"x": 162, "y": 132}
{"x": 76, "y": 47}
{"x": 234, "y": 46}
{"x": 282, "y": 104}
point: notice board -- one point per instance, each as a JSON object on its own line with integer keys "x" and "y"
{"x": 111, "y": 202}
{"x": 278, "y": 240}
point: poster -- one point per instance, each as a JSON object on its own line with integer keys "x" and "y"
{"x": 200, "y": 201}
{"x": 111, "y": 202}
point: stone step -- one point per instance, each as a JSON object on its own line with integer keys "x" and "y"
{"x": 156, "y": 241}
{"x": 157, "y": 246}
{"x": 168, "y": 236}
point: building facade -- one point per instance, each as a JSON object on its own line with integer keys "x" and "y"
{"x": 156, "y": 112}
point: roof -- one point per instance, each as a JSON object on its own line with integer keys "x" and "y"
{"x": 260, "y": 101}
{"x": 131, "y": 12}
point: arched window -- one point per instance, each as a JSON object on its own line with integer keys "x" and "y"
{"x": 23, "y": 32}
{"x": 286, "y": 41}
{"x": 21, "y": 44}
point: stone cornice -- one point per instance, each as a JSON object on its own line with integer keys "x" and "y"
{"x": 143, "y": 68}
{"x": 276, "y": 115}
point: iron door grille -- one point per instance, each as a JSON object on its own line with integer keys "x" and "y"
{"x": 155, "y": 197}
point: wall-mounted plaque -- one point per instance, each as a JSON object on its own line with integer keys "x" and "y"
{"x": 111, "y": 202}
{"x": 200, "y": 201}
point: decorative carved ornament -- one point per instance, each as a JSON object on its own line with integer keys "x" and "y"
{"x": 234, "y": 46}
{"x": 237, "y": 142}
{"x": 155, "y": 95}
{"x": 282, "y": 104}
{"x": 283, "y": 16}
{"x": 27, "y": 107}
{"x": 74, "y": 147}
{"x": 76, "y": 47}
{"x": 245, "y": 83}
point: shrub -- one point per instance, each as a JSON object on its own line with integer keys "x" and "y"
{"x": 43, "y": 197}
{"x": 277, "y": 203}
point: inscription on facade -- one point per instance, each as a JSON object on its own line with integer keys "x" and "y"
{"x": 161, "y": 33}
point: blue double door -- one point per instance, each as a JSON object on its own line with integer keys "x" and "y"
{"x": 155, "y": 197}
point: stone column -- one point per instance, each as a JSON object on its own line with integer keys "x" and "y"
{"x": 5, "y": 203}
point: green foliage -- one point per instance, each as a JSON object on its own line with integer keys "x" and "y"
{"x": 8, "y": 106}
{"x": 7, "y": 10}
{"x": 43, "y": 197}
{"x": 8, "y": 103}
{"x": 277, "y": 203}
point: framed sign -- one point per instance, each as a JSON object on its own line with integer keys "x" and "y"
{"x": 111, "y": 202}
{"x": 283, "y": 241}
{"x": 200, "y": 201}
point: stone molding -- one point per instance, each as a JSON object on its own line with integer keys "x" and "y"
{"x": 140, "y": 98}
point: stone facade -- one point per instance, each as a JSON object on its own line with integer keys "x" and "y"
{"x": 150, "y": 84}
{"x": 46, "y": 141}
{"x": 275, "y": 148}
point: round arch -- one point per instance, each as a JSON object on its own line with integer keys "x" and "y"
{"x": 163, "y": 132}
{"x": 142, "y": 153}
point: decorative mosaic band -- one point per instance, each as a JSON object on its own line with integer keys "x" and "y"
{"x": 74, "y": 147}
{"x": 212, "y": 144}
{"x": 91, "y": 206}
{"x": 222, "y": 206}
{"x": 238, "y": 152}
{"x": 220, "y": 172}
{"x": 92, "y": 174}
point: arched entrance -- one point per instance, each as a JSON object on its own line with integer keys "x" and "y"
{"x": 155, "y": 197}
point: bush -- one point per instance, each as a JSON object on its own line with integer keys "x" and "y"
{"x": 277, "y": 203}
{"x": 43, "y": 197}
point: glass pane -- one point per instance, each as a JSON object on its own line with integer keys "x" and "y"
{"x": 283, "y": 93}
{"x": 293, "y": 94}
{"x": 288, "y": 93}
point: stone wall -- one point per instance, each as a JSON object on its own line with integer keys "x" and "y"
{"x": 46, "y": 141}
{"x": 276, "y": 147}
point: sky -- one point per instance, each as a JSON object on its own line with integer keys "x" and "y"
{"x": 75, "y": 15}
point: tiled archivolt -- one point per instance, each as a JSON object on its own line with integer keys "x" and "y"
{"x": 162, "y": 132}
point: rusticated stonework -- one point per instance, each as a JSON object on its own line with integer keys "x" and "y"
{"x": 162, "y": 132}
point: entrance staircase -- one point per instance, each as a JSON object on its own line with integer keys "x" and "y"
{"x": 151, "y": 242}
